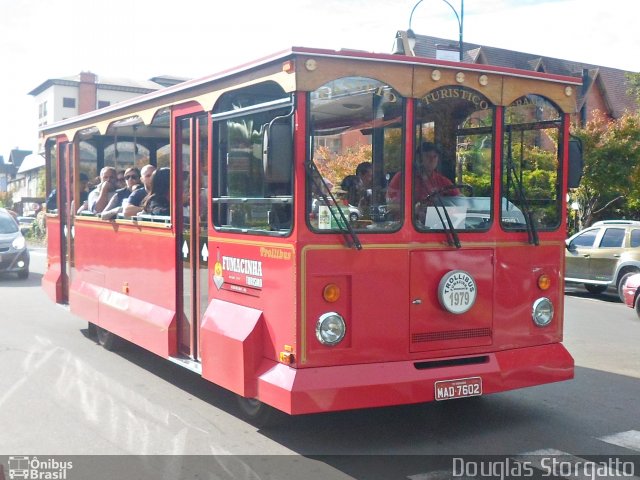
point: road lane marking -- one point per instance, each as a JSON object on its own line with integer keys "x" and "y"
{"x": 629, "y": 439}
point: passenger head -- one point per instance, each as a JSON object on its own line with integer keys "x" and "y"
{"x": 121, "y": 182}
{"x": 132, "y": 177}
{"x": 84, "y": 180}
{"x": 427, "y": 157}
{"x": 161, "y": 183}
{"x": 364, "y": 170}
{"x": 146, "y": 174}
{"x": 109, "y": 174}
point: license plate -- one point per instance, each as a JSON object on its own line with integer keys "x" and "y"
{"x": 458, "y": 388}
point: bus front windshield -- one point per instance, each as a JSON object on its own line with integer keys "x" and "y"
{"x": 355, "y": 149}
{"x": 453, "y": 160}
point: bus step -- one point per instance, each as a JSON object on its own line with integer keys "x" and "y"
{"x": 188, "y": 363}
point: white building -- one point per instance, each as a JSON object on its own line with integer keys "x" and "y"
{"x": 61, "y": 98}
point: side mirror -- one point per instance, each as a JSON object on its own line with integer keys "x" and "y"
{"x": 576, "y": 162}
{"x": 277, "y": 152}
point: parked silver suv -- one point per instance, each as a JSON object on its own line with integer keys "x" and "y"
{"x": 604, "y": 255}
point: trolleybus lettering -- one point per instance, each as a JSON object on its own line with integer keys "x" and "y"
{"x": 452, "y": 92}
{"x": 276, "y": 253}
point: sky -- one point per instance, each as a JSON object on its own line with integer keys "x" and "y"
{"x": 140, "y": 39}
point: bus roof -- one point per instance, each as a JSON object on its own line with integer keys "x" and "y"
{"x": 180, "y": 92}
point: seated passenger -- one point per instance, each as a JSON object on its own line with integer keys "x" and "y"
{"x": 157, "y": 201}
{"x": 120, "y": 180}
{"x": 134, "y": 202}
{"x": 357, "y": 185}
{"x": 100, "y": 196}
{"x": 118, "y": 201}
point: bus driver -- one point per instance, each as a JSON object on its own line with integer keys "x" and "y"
{"x": 426, "y": 178}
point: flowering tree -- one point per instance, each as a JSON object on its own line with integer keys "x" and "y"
{"x": 336, "y": 166}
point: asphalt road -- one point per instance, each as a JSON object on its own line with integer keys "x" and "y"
{"x": 61, "y": 394}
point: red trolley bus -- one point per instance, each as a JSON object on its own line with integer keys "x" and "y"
{"x": 278, "y": 280}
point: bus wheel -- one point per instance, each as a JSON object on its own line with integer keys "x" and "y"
{"x": 257, "y": 413}
{"x": 108, "y": 340}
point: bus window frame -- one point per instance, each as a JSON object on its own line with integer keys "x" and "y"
{"x": 217, "y": 119}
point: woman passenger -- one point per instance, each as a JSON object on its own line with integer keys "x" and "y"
{"x": 157, "y": 201}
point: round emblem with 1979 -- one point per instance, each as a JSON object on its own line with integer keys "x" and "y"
{"x": 457, "y": 291}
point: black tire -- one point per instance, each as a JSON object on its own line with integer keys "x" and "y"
{"x": 23, "y": 275}
{"x": 595, "y": 289}
{"x": 622, "y": 281}
{"x": 637, "y": 305}
{"x": 109, "y": 341}
{"x": 257, "y": 413}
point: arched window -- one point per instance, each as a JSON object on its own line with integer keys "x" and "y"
{"x": 356, "y": 133}
{"x": 456, "y": 125}
{"x": 531, "y": 163}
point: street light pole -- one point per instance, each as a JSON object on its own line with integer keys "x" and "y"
{"x": 459, "y": 18}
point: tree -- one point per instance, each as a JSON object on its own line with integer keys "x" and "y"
{"x": 633, "y": 79}
{"x": 610, "y": 184}
{"x": 335, "y": 167}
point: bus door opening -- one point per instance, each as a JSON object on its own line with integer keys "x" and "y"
{"x": 191, "y": 182}
{"x": 64, "y": 205}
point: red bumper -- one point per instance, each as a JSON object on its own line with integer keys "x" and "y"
{"x": 311, "y": 390}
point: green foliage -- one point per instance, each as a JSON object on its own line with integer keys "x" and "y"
{"x": 6, "y": 200}
{"x": 633, "y": 80}
{"x": 610, "y": 186}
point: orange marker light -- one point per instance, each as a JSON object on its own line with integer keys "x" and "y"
{"x": 331, "y": 292}
{"x": 544, "y": 282}
{"x": 287, "y": 357}
{"x": 287, "y": 66}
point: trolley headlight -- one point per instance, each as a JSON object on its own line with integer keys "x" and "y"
{"x": 542, "y": 312}
{"x": 330, "y": 329}
{"x": 18, "y": 243}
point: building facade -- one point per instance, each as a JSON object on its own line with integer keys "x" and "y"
{"x": 604, "y": 89}
{"x": 61, "y": 98}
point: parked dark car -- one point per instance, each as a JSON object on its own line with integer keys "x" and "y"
{"x": 604, "y": 255}
{"x": 14, "y": 254}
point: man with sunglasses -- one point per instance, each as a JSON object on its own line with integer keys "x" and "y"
{"x": 134, "y": 201}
